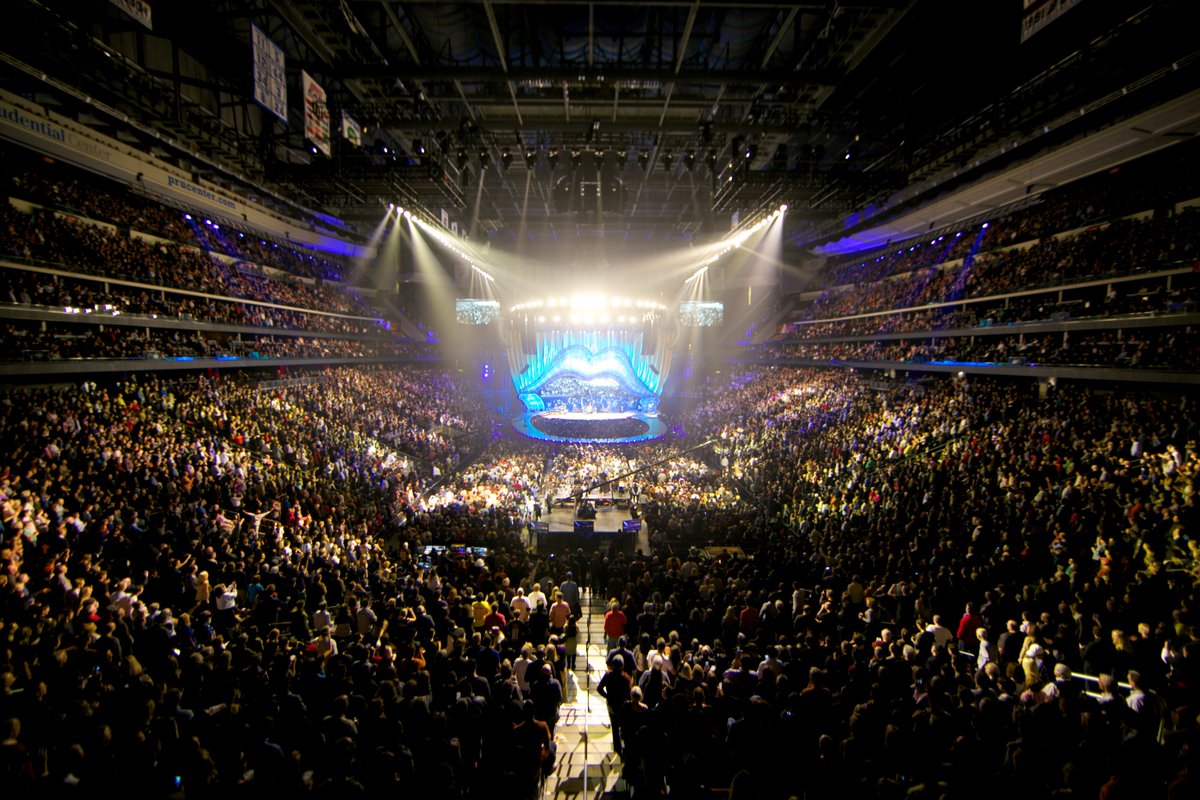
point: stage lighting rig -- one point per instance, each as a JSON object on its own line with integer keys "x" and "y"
{"x": 689, "y": 160}
{"x": 506, "y": 158}
{"x": 552, "y": 157}
{"x": 668, "y": 159}
{"x": 530, "y": 157}
{"x": 644, "y": 159}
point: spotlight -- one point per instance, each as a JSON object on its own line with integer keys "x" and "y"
{"x": 530, "y": 157}
{"x": 485, "y": 158}
{"x": 461, "y": 156}
{"x": 689, "y": 160}
{"x": 552, "y": 157}
{"x": 644, "y": 159}
{"x": 419, "y": 147}
{"x": 506, "y": 158}
{"x": 668, "y": 158}
{"x": 598, "y": 155}
{"x": 783, "y": 207}
{"x": 576, "y": 157}
{"x": 751, "y": 151}
{"x": 593, "y": 131}
{"x": 711, "y": 160}
{"x": 622, "y": 155}
{"x": 985, "y": 224}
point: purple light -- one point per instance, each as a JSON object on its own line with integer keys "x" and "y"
{"x": 187, "y": 216}
{"x": 985, "y": 224}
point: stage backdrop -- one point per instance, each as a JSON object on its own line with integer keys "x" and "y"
{"x": 630, "y": 359}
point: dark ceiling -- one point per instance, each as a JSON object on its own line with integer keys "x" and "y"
{"x": 618, "y": 121}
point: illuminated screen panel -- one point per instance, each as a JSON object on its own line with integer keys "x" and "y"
{"x": 476, "y": 312}
{"x": 701, "y": 314}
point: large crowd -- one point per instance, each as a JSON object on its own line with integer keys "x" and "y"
{"x": 93, "y": 295}
{"x": 91, "y": 197}
{"x": 35, "y": 341}
{"x": 212, "y": 584}
{"x": 320, "y": 585}
{"x": 1171, "y": 348}
{"x": 1121, "y": 247}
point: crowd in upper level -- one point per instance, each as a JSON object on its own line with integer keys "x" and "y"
{"x": 1119, "y": 248}
{"x": 95, "y": 198}
{"x": 44, "y": 237}
{"x": 56, "y": 292}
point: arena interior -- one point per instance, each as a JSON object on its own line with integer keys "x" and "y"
{"x": 749, "y": 400}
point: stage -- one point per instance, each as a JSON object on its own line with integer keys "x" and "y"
{"x": 561, "y": 536}
{"x": 601, "y": 427}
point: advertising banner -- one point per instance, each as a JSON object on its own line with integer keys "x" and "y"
{"x": 316, "y": 114}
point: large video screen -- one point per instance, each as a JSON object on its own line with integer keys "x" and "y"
{"x": 476, "y": 312}
{"x": 701, "y": 313}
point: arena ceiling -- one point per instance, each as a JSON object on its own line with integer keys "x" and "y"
{"x": 607, "y": 119}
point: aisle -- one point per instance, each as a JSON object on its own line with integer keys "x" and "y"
{"x": 583, "y": 735}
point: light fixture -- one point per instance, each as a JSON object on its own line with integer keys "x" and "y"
{"x": 461, "y": 157}
{"x": 485, "y": 158}
{"x": 552, "y": 157}
{"x": 668, "y": 158}
{"x": 644, "y": 159}
{"x": 418, "y": 147}
{"x": 576, "y": 157}
{"x": 689, "y": 160}
{"x": 711, "y": 161}
{"x": 506, "y": 158}
{"x": 530, "y": 157}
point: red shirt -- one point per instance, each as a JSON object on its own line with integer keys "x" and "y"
{"x": 614, "y": 624}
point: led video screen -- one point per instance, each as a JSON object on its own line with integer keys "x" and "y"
{"x": 476, "y": 312}
{"x": 701, "y": 313}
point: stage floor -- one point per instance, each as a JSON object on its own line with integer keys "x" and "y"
{"x": 600, "y": 427}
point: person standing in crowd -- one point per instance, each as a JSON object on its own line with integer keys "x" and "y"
{"x": 615, "y": 687}
{"x": 614, "y": 624}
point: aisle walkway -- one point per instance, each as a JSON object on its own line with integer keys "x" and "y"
{"x": 585, "y": 752}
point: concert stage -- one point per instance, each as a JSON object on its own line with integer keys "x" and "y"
{"x": 599, "y": 427}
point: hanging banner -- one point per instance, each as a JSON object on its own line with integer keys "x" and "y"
{"x": 138, "y": 9}
{"x": 351, "y": 130}
{"x": 316, "y": 114}
{"x": 1037, "y": 14}
{"x": 270, "y": 77}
